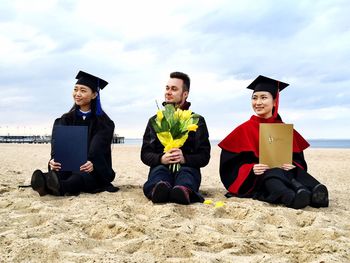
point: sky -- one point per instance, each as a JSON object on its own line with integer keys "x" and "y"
{"x": 223, "y": 45}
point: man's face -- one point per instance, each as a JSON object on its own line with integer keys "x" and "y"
{"x": 174, "y": 92}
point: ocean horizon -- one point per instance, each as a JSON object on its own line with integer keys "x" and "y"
{"x": 314, "y": 143}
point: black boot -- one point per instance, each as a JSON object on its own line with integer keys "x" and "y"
{"x": 302, "y": 195}
{"x": 53, "y": 183}
{"x": 319, "y": 196}
{"x": 38, "y": 183}
{"x": 301, "y": 199}
{"x": 161, "y": 192}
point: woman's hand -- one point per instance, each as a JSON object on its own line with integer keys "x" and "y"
{"x": 54, "y": 166}
{"x": 260, "y": 168}
{"x": 287, "y": 166}
{"x": 87, "y": 167}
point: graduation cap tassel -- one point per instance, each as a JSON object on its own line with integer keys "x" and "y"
{"x": 275, "y": 113}
{"x": 98, "y": 100}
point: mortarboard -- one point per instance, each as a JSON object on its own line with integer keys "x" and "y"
{"x": 263, "y": 83}
{"x": 91, "y": 81}
{"x": 94, "y": 83}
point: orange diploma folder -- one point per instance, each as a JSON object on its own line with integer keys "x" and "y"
{"x": 275, "y": 144}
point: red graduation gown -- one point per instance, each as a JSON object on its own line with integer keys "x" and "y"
{"x": 241, "y": 151}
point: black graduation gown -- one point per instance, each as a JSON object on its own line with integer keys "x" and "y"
{"x": 100, "y": 135}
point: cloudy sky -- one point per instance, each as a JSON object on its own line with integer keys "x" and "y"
{"x": 134, "y": 45}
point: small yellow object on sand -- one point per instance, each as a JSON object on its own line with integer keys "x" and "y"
{"x": 208, "y": 202}
{"x": 219, "y": 204}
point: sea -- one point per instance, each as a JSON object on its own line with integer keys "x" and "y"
{"x": 314, "y": 143}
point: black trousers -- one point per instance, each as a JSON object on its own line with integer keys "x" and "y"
{"x": 76, "y": 182}
{"x": 277, "y": 182}
{"x": 186, "y": 176}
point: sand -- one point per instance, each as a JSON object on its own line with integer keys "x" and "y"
{"x": 126, "y": 227}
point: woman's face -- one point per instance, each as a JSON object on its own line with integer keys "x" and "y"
{"x": 263, "y": 103}
{"x": 82, "y": 96}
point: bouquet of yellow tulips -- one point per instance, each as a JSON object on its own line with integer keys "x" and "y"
{"x": 172, "y": 127}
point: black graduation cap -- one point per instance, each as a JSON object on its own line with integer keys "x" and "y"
{"x": 91, "y": 81}
{"x": 263, "y": 83}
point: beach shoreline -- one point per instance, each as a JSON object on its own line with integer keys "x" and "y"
{"x": 126, "y": 227}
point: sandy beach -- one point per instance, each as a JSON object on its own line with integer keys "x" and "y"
{"x": 126, "y": 227}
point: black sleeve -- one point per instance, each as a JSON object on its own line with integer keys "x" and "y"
{"x": 228, "y": 167}
{"x": 151, "y": 152}
{"x": 230, "y": 163}
{"x": 299, "y": 159}
{"x": 100, "y": 149}
{"x": 199, "y": 155}
{"x": 101, "y": 141}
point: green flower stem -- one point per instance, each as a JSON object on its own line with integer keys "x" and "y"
{"x": 174, "y": 167}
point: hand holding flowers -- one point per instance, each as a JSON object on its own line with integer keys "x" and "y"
{"x": 173, "y": 156}
{"x": 172, "y": 127}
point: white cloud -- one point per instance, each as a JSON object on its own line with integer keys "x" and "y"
{"x": 34, "y": 6}
{"x": 22, "y": 44}
{"x": 134, "y": 45}
{"x": 321, "y": 114}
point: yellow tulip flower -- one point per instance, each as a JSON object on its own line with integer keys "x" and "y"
{"x": 176, "y": 122}
{"x": 160, "y": 115}
{"x": 192, "y": 127}
{"x": 177, "y": 114}
{"x": 186, "y": 114}
{"x": 168, "y": 142}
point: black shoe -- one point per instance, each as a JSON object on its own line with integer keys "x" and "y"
{"x": 301, "y": 199}
{"x": 38, "y": 182}
{"x": 53, "y": 184}
{"x": 181, "y": 195}
{"x": 288, "y": 197}
{"x": 160, "y": 192}
{"x": 319, "y": 196}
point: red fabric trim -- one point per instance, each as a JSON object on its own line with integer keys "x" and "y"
{"x": 299, "y": 165}
{"x": 299, "y": 143}
{"x": 277, "y": 100}
{"x": 243, "y": 173}
{"x": 245, "y": 138}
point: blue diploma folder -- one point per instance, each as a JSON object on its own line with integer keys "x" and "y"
{"x": 70, "y": 146}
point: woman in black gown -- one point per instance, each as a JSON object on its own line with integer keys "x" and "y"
{"x": 96, "y": 174}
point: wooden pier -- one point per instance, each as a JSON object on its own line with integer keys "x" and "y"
{"x": 38, "y": 139}
{"x": 117, "y": 139}
{"x": 25, "y": 139}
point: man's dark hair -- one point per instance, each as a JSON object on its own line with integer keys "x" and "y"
{"x": 185, "y": 78}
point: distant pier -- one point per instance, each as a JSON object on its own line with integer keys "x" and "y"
{"x": 25, "y": 139}
{"x": 39, "y": 139}
{"x": 117, "y": 139}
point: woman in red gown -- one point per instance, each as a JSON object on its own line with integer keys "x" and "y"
{"x": 243, "y": 175}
